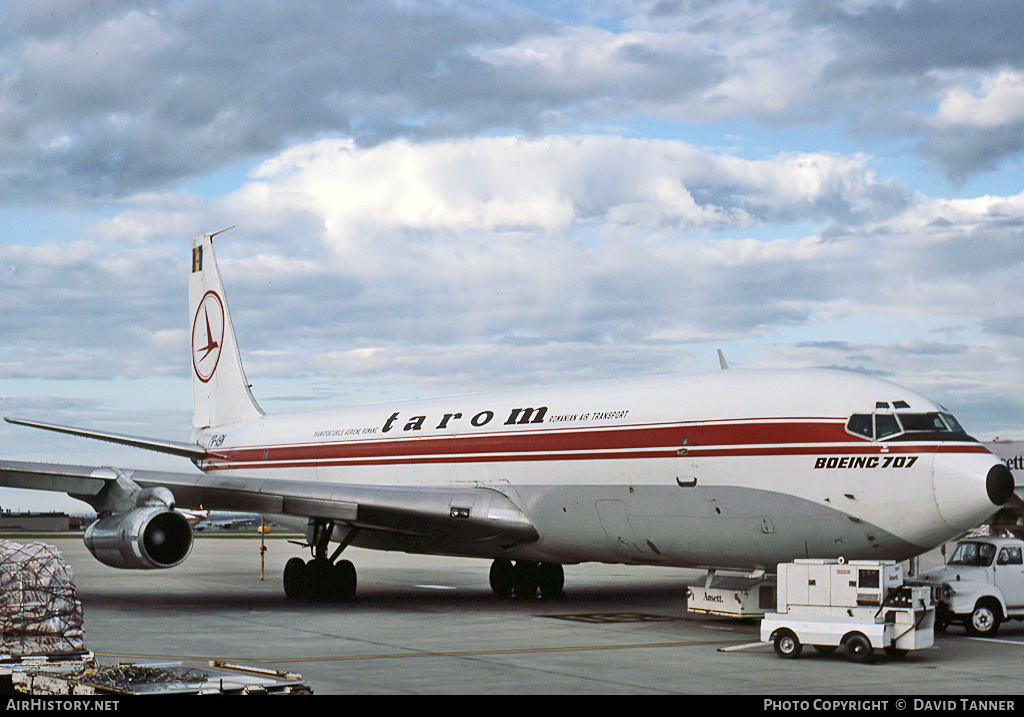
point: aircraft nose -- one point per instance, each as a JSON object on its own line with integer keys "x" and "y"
{"x": 969, "y": 487}
{"x": 999, "y": 484}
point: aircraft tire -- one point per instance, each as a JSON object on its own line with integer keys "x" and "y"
{"x": 295, "y": 579}
{"x": 502, "y": 578}
{"x": 318, "y": 579}
{"x": 343, "y": 580}
{"x": 550, "y": 580}
{"x": 524, "y": 578}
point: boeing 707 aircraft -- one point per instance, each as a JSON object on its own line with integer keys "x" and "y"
{"x": 728, "y": 470}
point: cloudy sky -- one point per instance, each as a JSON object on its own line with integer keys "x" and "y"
{"x": 442, "y": 197}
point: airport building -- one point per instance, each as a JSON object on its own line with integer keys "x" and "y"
{"x": 34, "y": 522}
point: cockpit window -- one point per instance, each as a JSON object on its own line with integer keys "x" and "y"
{"x": 903, "y": 425}
{"x": 885, "y": 426}
{"x": 860, "y": 423}
{"x": 967, "y": 553}
{"x": 922, "y": 422}
{"x": 953, "y": 424}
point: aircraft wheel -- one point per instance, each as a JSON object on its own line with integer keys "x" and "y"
{"x": 295, "y": 579}
{"x": 343, "y": 580}
{"x": 786, "y": 645}
{"x": 318, "y": 579}
{"x": 524, "y": 578}
{"x": 550, "y": 580}
{"x": 502, "y": 578}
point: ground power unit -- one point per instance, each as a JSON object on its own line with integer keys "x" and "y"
{"x": 858, "y": 606}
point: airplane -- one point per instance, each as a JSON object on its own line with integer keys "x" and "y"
{"x": 728, "y": 470}
{"x": 202, "y": 519}
{"x": 1010, "y": 519}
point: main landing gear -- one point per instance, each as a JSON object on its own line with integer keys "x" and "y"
{"x": 524, "y": 579}
{"x": 323, "y": 578}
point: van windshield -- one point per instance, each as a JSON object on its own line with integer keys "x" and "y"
{"x": 978, "y": 554}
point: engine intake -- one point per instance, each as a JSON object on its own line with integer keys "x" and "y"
{"x": 144, "y": 539}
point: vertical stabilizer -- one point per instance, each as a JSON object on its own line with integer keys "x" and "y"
{"x": 220, "y": 391}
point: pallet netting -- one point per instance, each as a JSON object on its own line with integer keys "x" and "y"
{"x": 40, "y": 613}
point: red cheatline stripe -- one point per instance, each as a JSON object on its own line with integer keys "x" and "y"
{"x": 642, "y": 437}
{"x": 801, "y": 437}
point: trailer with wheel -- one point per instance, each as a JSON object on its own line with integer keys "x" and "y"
{"x": 858, "y": 607}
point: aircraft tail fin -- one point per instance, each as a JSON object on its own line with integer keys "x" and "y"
{"x": 220, "y": 390}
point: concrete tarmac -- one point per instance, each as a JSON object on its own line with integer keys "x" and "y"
{"x": 430, "y": 625}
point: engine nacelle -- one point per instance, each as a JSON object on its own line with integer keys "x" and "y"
{"x": 146, "y": 538}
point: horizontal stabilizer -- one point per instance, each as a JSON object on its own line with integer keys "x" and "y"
{"x": 174, "y": 448}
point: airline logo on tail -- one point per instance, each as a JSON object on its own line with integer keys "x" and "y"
{"x": 207, "y": 335}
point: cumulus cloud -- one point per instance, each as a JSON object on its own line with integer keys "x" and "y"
{"x": 455, "y": 196}
{"x": 556, "y": 184}
{"x": 514, "y": 257}
{"x": 998, "y": 100}
{"x": 102, "y": 100}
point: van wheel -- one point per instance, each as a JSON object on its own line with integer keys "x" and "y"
{"x": 984, "y": 621}
{"x": 787, "y": 645}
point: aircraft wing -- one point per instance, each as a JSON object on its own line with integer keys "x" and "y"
{"x": 441, "y": 514}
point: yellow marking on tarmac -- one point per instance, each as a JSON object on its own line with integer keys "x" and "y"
{"x": 454, "y": 653}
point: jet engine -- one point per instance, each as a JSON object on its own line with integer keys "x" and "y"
{"x": 146, "y": 538}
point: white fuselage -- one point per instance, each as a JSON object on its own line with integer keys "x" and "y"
{"x": 729, "y": 469}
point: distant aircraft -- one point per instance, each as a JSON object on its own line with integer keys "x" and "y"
{"x": 227, "y": 520}
{"x": 728, "y": 470}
